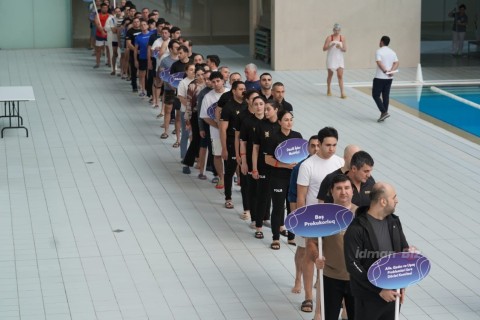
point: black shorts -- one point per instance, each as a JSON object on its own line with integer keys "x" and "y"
{"x": 177, "y": 104}
{"x": 114, "y": 44}
{"x": 169, "y": 96}
{"x": 142, "y": 64}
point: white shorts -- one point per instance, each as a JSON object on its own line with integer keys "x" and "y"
{"x": 216, "y": 147}
{"x": 300, "y": 241}
{"x": 100, "y": 43}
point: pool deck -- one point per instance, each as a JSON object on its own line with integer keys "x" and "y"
{"x": 94, "y": 164}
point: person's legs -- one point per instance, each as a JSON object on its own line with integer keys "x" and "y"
{"x": 298, "y": 259}
{"x": 461, "y": 38}
{"x": 348, "y": 302}
{"x": 150, "y": 77}
{"x": 133, "y": 73}
{"x": 193, "y": 148}
{"x": 373, "y": 308}
{"x": 308, "y": 268}
{"x": 387, "y": 84}
{"x": 329, "y": 82}
{"x": 178, "y": 122}
{"x": 340, "y": 82}
{"x": 377, "y": 89}
{"x": 218, "y": 161}
{"x": 245, "y": 183}
{"x": 278, "y": 191}
{"x": 166, "y": 123}
{"x": 333, "y": 295}
{"x": 262, "y": 195}
{"x": 184, "y": 136}
{"x": 230, "y": 166}
{"x": 141, "y": 76}
{"x": 454, "y": 42}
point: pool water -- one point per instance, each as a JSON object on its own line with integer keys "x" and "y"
{"x": 443, "y": 108}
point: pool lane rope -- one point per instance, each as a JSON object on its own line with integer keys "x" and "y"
{"x": 455, "y": 97}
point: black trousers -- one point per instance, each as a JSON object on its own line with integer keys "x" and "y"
{"x": 194, "y": 146}
{"x": 334, "y": 292}
{"x": 245, "y": 187}
{"x": 263, "y": 198}
{"x": 381, "y": 87}
{"x": 278, "y": 191}
{"x": 230, "y": 167}
{"x": 133, "y": 70}
{"x": 373, "y": 308}
{"x": 149, "y": 83}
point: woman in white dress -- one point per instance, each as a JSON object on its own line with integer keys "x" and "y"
{"x": 335, "y": 45}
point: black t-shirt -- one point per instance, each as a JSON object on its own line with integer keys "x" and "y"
{"x": 130, "y": 35}
{"x": 360, "y": 197}
{"x": 278, "y": 138}
{"x": 230, "y": 113}
{"x": 178, "y": 66}
{"x": 286, "y": 106}
{"x": 263, "y": 133}
{"x": 152, "y": 38}
{"x": 224, "y": 98}
{"x": 248, "y": 126}
{"x": 264, "y": 96}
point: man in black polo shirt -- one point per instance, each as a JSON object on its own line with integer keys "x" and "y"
{"x": 130, "y": 44}
{"x": 361, "y": 167}
{"x": 278, "y": 94}
{"x": 266, "y": 86}
{"x": 228, "y": 119}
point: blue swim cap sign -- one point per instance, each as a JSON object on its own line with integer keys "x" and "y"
{"x": 319, "y": 220}
{"x": 398, "y": 270}
{"x": 292, "y": 150}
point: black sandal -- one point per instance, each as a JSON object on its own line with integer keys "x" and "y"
{"x": 275, "y": 245}
{"x": 259, "y": 235}
{"x": 307, "y": 306}
{"x": 284, "y": 233}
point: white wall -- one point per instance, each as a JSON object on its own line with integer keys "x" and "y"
{"x": 299, "y": 29}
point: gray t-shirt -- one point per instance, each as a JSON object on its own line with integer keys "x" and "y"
{"x": 380, "y": 228}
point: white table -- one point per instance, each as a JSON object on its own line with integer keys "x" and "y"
{"x": 11, "y": 97}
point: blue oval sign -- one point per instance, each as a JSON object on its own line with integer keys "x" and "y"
{"x": 211, "y": 110}
{"x": 165, "y": 74}
{"x": 175, "y": 78}
{"x": 398, "y": 270}
{"x": 292, "y": 150}
{"x": 319, "y": 220}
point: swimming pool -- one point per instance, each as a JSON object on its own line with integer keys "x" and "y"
{"x": 442, "y": 107}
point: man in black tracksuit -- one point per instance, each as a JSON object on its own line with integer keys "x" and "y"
{"x": 374, "y": 233}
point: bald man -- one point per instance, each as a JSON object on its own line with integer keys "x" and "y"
{"x": 374, "y": 233}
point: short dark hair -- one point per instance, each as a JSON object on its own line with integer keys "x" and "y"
{"x": 327, "y": 132}
{"x": 174, "y": 29}
{"x": 215, "y": 75}
{"x": 150, "y": 21}
{"x": 151, "y": 15}
{"x": 104, "y": 4}
{"x": 360, "y": 158}
{"x": 339, "y": 178}
{"x": 171, "y": 43}
{"x": 462, "y": 6}
{"x": 214, "y": 58}
{"x": 265, "y": 74}
{"x": 259, "y": 97}
{"x": 385, "y": 40}
{"x": 188, "y": 66}
{"x": 199, "y": 67}
{"x": 166, "y": 28}
{"x": 314, "y": 137}
{"x": 183, "y": 48}
{"x": 278, "y": 84}
{"x": 235, "y": 84}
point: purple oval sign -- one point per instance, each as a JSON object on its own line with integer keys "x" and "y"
{"x": 211, "y": 110}
{"x": 175, "y": 78}
{"x": 292, "y": 150}
{"x": 319, "y": 220}
{"x": 165, "y": 74}
{"x": 398, "y": 270}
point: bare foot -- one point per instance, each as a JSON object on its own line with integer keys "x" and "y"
{"x": 297, "y": 288}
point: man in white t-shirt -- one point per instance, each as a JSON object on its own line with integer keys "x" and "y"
{"x": 207, "y": 113}
{"x": 311, "y": 174}
{"x": 387, "y": 64}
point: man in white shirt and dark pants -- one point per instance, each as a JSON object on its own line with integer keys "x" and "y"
{"x": 387, "y": 64}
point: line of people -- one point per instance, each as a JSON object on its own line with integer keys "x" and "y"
{"x": 232, "y": 126}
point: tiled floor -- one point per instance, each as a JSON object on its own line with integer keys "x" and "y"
{"x": 94, "y": 164}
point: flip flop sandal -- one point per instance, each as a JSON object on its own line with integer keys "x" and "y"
{"x": 176, "y": 144}
{"x": 307, "y": 306}
{"x": 259, "y": 235}
{"x": 229, "y": 204}
{"x": 164, "y": 136}
{"x": 275, "y": 245}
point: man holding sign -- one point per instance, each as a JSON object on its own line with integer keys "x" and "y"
{"x": 336, "y": 281}
{"x": 374, "y": 233}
